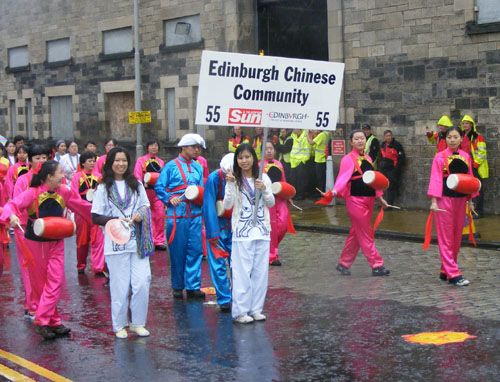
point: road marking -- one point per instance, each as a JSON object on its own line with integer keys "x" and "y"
{"x": 13, "y": 375}
{"x": 33, "y": 367}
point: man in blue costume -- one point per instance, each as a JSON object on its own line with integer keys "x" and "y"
{"x": 183, "y": 216}
{"x": 218, "y": 232}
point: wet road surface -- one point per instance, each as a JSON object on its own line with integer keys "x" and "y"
{"x": 320, "y": 327}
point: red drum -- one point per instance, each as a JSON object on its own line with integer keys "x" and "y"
{"x": 194, "y": 194}
{"x": 283, "y": 190}
{"x": 463, "y": 183}
{"x": 150, "y": 178}
{"x": 375, "y": 180}
{"x": 118, "y": 231}
{"x": 221, "y": 212}
{"x": 53, "y": 227}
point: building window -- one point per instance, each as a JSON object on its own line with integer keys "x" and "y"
{"x": 61, "y": 117}
{"x": 29, "y": 117}
{"x": 58, "y": 50}
{"x": 18, "y": 57}
{"x": 13, "y": 117}
{"x": 488, "y": 11}
{"x": 117, "y": 41}
{"x": 183, "y": 32}
{"x": 171, "y": 114}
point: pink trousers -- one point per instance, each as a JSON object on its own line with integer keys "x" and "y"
{"x": 24, "y": 268}
{"x": 360, "y": 210}
{"x": 157, "y": 217}
{"x": 449, "y": 227}
{"x": 279, "y": 215}
{"x": 96, "y": 248}
{"x": 47, "y": 278}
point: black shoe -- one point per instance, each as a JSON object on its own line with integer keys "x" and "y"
{"x": 60, "y": 330}
{"x": 81, "y": 271}
{"x": 276, "y": 262}
{"x": 380, "y": 271}
{"x": 195, "y": 294}
{"x": 45, "y": 332}
{"x": 442, "y": 276}
{"x": 225, "y": 307}
{"x": 177, "y": 293}
{"x": 160, "y": 248}
{"x": 344, "y": 271}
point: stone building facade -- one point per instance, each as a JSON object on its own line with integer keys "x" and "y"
{"x": 407, "y": 63}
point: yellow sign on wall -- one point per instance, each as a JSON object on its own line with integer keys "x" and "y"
{"x": 135, "y": 117}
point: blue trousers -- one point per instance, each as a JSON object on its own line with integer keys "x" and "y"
{"x": 186, "y": 252}
{"x": 218, "y": 268}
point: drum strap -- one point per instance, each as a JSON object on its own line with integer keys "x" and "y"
{"x": 446, "y": 168}
{"x": 358, "y": 168}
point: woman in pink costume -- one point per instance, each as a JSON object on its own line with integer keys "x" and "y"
{"x": 359, "y": 200}
{"x": 83, "y": 184}
{"x": 151, "y": 162}
{"x": 448, "y": 206}
{"x": 109, "y": 144}
{"x": 21, "y": 167}
{"x": 279, "y": 213}
{"x": 45, "y": 197}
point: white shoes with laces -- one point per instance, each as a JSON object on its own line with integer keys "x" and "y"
{"x": 258, "y": 317}
{"x": 244, "y": 319}
{"x": 140, "y": 330}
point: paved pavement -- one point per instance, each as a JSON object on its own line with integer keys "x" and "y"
{"x": 321, "y": 326}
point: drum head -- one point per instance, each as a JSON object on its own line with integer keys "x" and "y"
{"x": 39, "y": 227}
{"x": 274, "y": 173}
{"x": 192, "y": 192}
{"x": 147, "y": 177}
{"x": 452, "y": 181}
{"x": 276, "y": 188}
{"x": 219, "y": 208}
{"x": 89, "y": 195}
{"x": 368, "y": 177}
{"x": 118, "y": 231}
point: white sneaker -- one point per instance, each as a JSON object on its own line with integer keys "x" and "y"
{"x": 122, "y": 334}
{"x": 258, "y": 317}
{"x": 462, "y": 282}
{"x": 244, "y": 319}
{"x": 140, "y": 330}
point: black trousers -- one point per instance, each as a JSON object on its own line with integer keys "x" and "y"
{"x": 298, "y": 180}
{"x": 479, "y": 201}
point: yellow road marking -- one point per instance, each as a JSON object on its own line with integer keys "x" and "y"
{"x": 33, "y": 367}
{"x": 13, "y": 375}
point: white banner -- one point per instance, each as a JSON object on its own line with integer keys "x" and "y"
{"x": 265, "y": 91}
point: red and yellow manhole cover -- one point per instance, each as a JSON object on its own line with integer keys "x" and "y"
{"x": 437, "y": 338}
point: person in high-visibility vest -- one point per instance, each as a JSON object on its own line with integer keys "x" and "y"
{"x": 257, "y": 141}
{"x": 392, "y": 160}
{"x": 298, "y": 158}
{"x": 439, "y": 138}
{"x": 474, "y": 145}
{"x": 237, "y": 138}
{"x": 319, "y": 144}
{"x": 284, "y": 147}
{"x": 372, "y": 146}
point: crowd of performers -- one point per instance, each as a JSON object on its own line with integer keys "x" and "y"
{"x": 232, "y": 215}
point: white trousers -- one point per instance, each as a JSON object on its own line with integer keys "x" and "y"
{"x": 249, "y": 270}
{"x": 127, "y": 270}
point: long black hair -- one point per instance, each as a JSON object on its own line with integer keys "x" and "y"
{"x": 237, "y": 169}
{"x": 108, "y": 176}
{"x": 48, "y": 168}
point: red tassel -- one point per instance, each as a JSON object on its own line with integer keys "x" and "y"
{"x": 378, "y": 219}
{"x": 218, "y": 252}
{"x": 428, "y": 231}
{"x": 28, "y": 256}
{"x": 327, "y": 199}
{"x": 290, "y": 228}
{"x": 471, "y": 235}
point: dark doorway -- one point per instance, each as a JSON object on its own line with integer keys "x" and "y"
{"x": 293, "y": 28}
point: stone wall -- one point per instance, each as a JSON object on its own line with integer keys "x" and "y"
{"x": 407, "y": 63}
{"x": 226, "y": 25}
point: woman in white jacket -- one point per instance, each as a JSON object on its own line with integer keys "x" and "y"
{"x": 250, "y": 249}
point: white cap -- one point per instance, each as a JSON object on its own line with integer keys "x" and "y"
{"x": 192, "y": 139}
{"x": 227, "y": 162}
